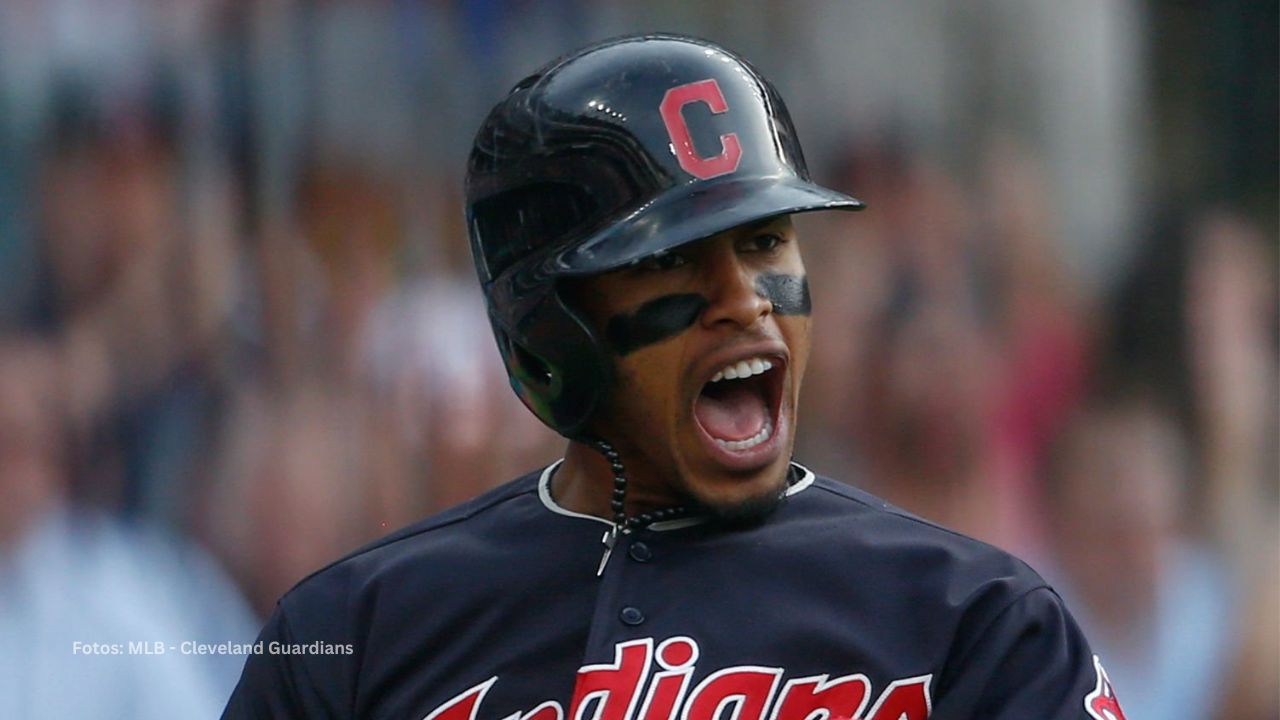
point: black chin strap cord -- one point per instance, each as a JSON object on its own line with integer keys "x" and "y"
{"x": 618, "y": 504}
{"x": 624, "y": 525}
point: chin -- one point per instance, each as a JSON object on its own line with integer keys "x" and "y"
{"x": 746, "y": 501}
{"x": 747, "y": 513}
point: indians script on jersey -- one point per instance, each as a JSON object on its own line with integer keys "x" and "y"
{"x": 631, "y": 688}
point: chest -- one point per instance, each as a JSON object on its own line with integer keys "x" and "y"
{"x": 678, "y": 626}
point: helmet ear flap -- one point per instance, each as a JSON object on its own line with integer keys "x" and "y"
{"x": 556, "y": 365}
{"x": 530, "y": 368}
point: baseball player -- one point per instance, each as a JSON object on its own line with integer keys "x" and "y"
{"x": 629, "y": 207}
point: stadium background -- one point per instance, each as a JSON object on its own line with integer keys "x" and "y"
{"x": 239, "y": 333}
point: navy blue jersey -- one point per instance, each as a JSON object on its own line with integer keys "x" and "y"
{"x": 837, "y": 602}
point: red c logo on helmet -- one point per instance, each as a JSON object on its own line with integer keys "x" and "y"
{"x": 707, "y": 91}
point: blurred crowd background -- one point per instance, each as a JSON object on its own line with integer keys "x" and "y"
{"x": 240, "y": 333}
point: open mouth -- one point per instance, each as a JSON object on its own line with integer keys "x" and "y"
{"x": 739, "y": 407}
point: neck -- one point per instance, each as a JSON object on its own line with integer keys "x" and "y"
{"x": 584, "y": 483}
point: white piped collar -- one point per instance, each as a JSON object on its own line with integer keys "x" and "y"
{"x": 544, "y": 494}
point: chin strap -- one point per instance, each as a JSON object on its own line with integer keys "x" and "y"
{"x": 618, "y": 504}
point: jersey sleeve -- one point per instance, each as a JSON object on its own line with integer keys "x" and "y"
{"x": 1030, "y": 661}
{"x": 276, "y": 684}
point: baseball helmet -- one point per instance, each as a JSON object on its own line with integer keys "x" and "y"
{"x": 605, "y": 156}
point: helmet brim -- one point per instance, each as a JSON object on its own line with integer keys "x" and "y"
{"x": 696, "y": 212}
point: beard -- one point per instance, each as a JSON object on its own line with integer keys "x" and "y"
{"x": 749, "y": 512}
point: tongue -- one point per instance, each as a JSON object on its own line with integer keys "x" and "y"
{"x": 736, "y": 413}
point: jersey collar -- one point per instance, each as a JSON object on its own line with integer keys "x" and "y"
{"x": 544, "y": 494}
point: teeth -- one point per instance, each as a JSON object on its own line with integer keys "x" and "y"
{"x": 754, "y": 440}
{"x": 743, "y": 369}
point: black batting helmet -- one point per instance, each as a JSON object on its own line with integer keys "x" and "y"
{"x": 605, "y": 156}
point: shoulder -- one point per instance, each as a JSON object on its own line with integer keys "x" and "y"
{"x": 843, "y": 509}
{"x": 308, "y": 656}
{"x": 906, "y": 553}
{"x": 1004, "y": 629}
{"x": 424, "y": 548}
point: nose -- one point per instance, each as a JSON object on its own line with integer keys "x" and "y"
{"x": 731, "y": 290}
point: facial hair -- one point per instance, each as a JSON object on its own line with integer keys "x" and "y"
{"x": 751, "y": 512}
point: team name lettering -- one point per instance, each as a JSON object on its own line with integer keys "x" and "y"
{"x": 648, "y": 683}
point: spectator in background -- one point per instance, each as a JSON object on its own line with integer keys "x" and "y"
{"x": 963, "y": 345}
{"x": 1229, "y": 284}
{"x": 1038, "y": 330}
{"x": 378, "y": 397}
{"x": 127, "y": 304}
{"x": 929, "y": 397}
{"x": 70, "y": 575}
{"x": 431, "y": 361}
{"x": 853, "y": 273}
{"x": 292, "y": 488}
{"x": 349, "y": 218}
{"x": 1231, "y": 346}
{"x": 1250, "y": 678}
{"x": 919, "y": 377}
{"x": 1156, "y": 600}
{"x": 1196, "y": 317}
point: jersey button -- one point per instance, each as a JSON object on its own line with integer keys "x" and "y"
{"x": 631, "y": 616}
{"x": 640, "y": 552}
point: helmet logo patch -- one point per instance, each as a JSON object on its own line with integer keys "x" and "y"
{"x": 704, "y": 91}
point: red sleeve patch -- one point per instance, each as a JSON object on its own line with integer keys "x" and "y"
{"x": 1102, "y": 703}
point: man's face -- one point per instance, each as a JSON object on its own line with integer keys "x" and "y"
{"x": 710, "y": 342}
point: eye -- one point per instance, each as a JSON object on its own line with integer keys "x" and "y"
{"x": 765, "y": 242}
{"x": 664, "y": 260}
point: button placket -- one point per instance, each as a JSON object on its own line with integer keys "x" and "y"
{"x": 638, "y": 550}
